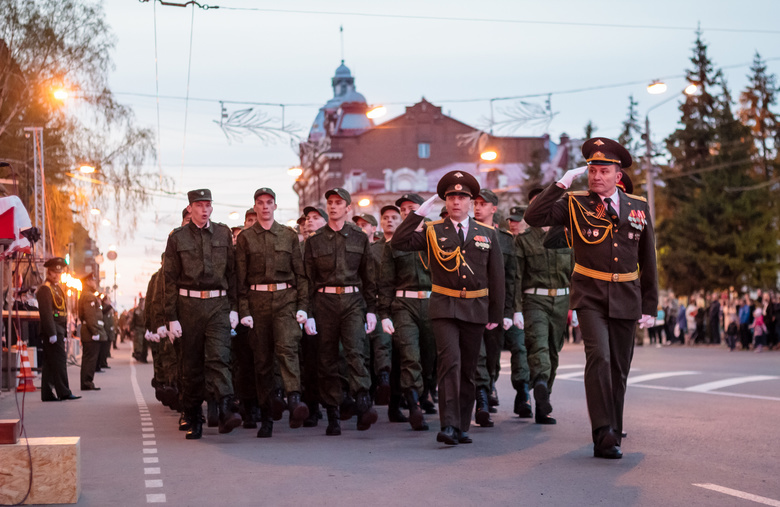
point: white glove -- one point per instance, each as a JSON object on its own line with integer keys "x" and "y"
{"x": 301, "y": 317}
{"x": 161, "y": 331}
{"x": 426, "y": 207}
{"x": 568, "y": 178}
{"x": 310, "y": 327}
{"x": 518, "y": 320}
{"x": 233, "y": 319}
{"x": 646, "y": 321}
{"x": 387, "y": 326}
{"x": 96, "y": 337}
{"x": 147, "y": 334}
{"x": 53, "y": 339}
{"x": 154, "y": 337}
{"x": 491, "y": 326}
{"x": 248, "y": 321}
{"x": 507, "y": 324}
{"x": 370, "y": 322}
{"x": 175, "y": 328}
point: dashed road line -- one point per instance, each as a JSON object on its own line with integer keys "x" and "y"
{"x": 740, "y": 494}
{"x": 655, "y": 376}
{"x": 719, "y": 384}
{"x": 149, "y": 443}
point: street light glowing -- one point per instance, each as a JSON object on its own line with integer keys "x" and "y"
{"x": 295, "y": 172}
{"x": 86, "y": 169}
{"x": 376, "y": 112}
{"x": 364, "y": 202}
{"x": 94, "y": 211}
{"x": 234, "y": 215}
{"x": 656, "y": 88}
{"x": 489, "y": 155}
{"x": 106, "y": 221}
{"x": 112, "y": 248}
{"x": 61, "y": 94}
{"x": 691, "y": 89}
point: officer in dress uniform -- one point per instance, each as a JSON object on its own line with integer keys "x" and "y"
{"x": 92, "y": 332}
{"x": 53, "y": 309}
{"x": 467, "y": 275}
{"x": 615, "y": 280}
{"x": 201, "y": 307}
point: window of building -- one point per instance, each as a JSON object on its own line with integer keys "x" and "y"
{"x": 423, "y": 150}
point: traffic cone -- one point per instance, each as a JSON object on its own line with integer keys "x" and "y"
{"x": 25, "y": 374}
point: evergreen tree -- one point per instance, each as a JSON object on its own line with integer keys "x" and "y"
{"x": 755, "y": 112}
{"x": 720, "y": 230}
{"x": 631, "y": 137}
{"x": 590, "y": 128}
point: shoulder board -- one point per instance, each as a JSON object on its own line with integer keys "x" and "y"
{"x": 220, "y": 224}
{"x": 484, "y": 225}
{"x": 316, "y": 233}
{"x": 435, "y": 222}
{"x": 578, "y": 193}
{"x": 637, "y": 197}
{"x": 502, "y": 231}
{"x": 175, "y": 230}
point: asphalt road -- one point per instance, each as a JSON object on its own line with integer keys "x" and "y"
{"x": 702, "y": 429}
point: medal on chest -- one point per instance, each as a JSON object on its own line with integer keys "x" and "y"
{"x": 637, "y": 219}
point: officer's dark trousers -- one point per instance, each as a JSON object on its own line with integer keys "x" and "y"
{"x": 340, "y": 319}
{"x": 89, "y": 359}
{"x": 205, "y": 350}
{"x": 105, "y": 351}
{"x": 609, "y": 347}
{"x": 457, "y": 344}
{"x": 54, "y": 368}
{"x": 411, "y": 322}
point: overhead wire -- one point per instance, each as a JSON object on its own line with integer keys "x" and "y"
{"x": 157, "y": 94}
{"x": 187, "y": 98}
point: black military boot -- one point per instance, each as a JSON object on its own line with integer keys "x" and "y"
{"x": 493, "y": 398}
{"x": 366, "y": 413}
{"x": 196, "y": 424}
{"x": 247, "y": 411}
{"x": 394, "y": 413}
{"x": 416, "y": 417}
{"x": 523, "y": 401}
{"x": 278, "y": 405}
{"x": 184, "y": 421}
{"x": 383, "y": 388}
{"x": 266, "y": 423}
{"x": 427, "y": 404}
{"x": 542, "y": 398}
{"x": 298, "y": 411}
{"x": 228, "y": 416}
{"x": 483, "y": 410}
{"x": 347, "y": 408}
{"x": 334, "y": 422}
{"x": 212, "y": 414}
{"x": 313, "y": 419}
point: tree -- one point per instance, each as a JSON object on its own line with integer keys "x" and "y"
{"x": 590, "y": 128}
{"x": 631, "y": 138}
{"x": 755, "y": 112}
{"x": 719, "y": 232}
{"x": 45, "y": 44}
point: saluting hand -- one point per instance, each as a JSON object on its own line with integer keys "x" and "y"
{"x": 310, "y": 327}
{"x": 426, "y": 207}
{"x": 301, "y": 317}
{"x": 248, "y": 321}
{"x": 569, "y": 176}
{"x": 387, "y": 326}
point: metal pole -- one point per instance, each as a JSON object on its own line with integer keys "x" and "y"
{"x": 649, "y": 172}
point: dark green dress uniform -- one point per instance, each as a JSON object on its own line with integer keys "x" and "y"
{"x": 53, "y": 310}
{"x": 342, "y": 289}
{"x": 380, "y": 342}
{"x": 272, "y": 287}
{"x": 138, "y": 325}
{"x": 200, "y": 292}
{"x": 542, "y": 294}
{"x": 91, "y": 316}
{"x": 489, "y": 363}
{"x": 614, "y": 283}
{"x": 467, "y": 293}
{"x": 149, "y": 307}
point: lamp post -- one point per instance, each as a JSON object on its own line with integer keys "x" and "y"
{"x": 654, "y": 89}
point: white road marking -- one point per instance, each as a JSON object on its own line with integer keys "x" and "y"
{"x": 154, "y": 483}
{"x": 155, "y": 498}
{"x": 570, "y": 376}
{"x": 719, "y": 384}
{"x": 570, "y": 366}
{"x": 740, "y": 494}
{"x": 152, "y": 459}
{"x": 147, "y": 430}
{"x": 150, "y": 451}
{"x": 655, "y": 376}
{"x": 148, "y": 435}
{"x": 152, "y": 471}
{"x": 150, "y": 442}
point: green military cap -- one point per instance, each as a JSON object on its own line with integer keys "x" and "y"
{"x": 625, "y": 183}
{"x": 56, "y": 264}
{"x": 184, "y": 213}
{"x": 264, "y": 190}
{"x": 367, "y": 217}
{"x": 301, "y": 219}
{"x": 236, "y": 228}
{"x": 250, "y": 211}
{"x": 516, "y": 213}
{"x": 603, "y": 151}
{"x": 457, "y": 182}
{"x": 88, "y": 278}
{"x": 389, "y": 207}
{"x": 443, "y": 213}
{"x": 339, "y": 192}
{"x": 534, "y": 192}
{"x": 202, "y": 194}
{"x": 309, "y": 209}
{"x": 415, "y": 198}
{"x": 488, "y": 195}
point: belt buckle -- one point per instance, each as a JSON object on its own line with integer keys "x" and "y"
{"x": 340, "y": 290}
{"x": 552, "y": 292}
{"x": 463, "y": 293}
{"x": 615, "y": 277}
{"x": 420, "y": 294}
{"x": 271, "y": 287}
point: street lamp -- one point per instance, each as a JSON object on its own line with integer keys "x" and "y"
{"x": 488, "y": 155}
{"x": 87, "y": 169}
{"x": 376, "y": 112}
{"x": 653, "y": 89}
{"x": 295, "y": 172}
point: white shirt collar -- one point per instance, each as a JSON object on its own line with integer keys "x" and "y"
{"x": 465, "y": 223}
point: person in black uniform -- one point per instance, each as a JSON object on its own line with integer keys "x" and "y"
{"x": 467, "y": 276}
{"x": 92, "y": 331}
{"x": 53, "y": 309}
{"x": 615, "y": 280}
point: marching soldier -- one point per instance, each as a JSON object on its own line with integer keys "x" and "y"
{"x": 615, "y": 280}
{"x": 273, "y": 301}
{"x": 542, "y": 298}
{"x": 467, "y": 294}
{"x": 485, "y": 207}
{"x": 342, "y": 292}
{"x": 368, "y": 223}
{"x": 53, "y": 309}
{"x": 201, "y": 307}
{"x": 92, "y": 332}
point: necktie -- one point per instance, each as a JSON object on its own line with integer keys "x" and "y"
{"x": 460, "y": 234}
{"x": 612, "y": 213}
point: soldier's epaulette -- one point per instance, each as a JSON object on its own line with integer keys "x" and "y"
{"x": 435, "y": 222}
{"x": 484, "y": 225}
{"x": 578, "y": 193}
{"x": 638, "y": 197}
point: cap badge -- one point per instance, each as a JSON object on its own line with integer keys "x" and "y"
{"x": 599, "y": 142}
{"x": 458, "y": 175}
{"x": 458, "y": 187}
{"x": 597, "y": 154}
{"x": 201, "y": 192}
